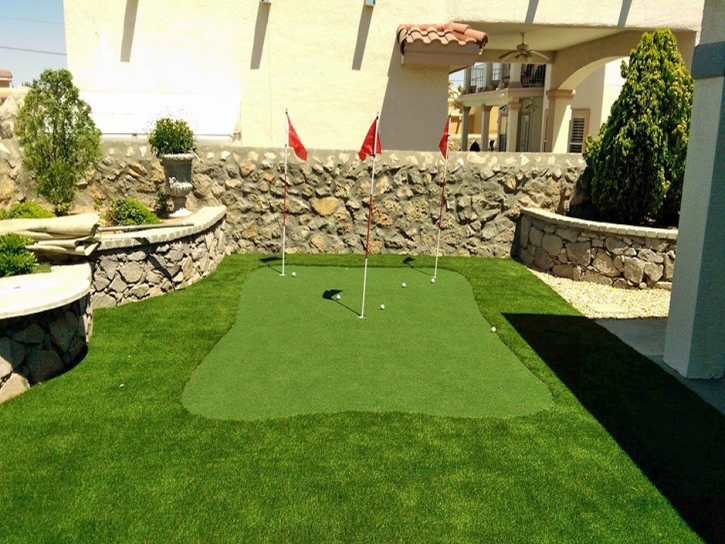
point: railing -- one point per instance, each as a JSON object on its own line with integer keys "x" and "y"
{"x": 533, "y": 75}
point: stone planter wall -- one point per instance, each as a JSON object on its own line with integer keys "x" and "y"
{"x": 142, "y": 264}
{"x": 46, "y": 338}
{"x": 618, "y": 255}
{"x": 328, "y": 194}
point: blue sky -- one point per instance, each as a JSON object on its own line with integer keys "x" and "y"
{"x": 36, "y": 25}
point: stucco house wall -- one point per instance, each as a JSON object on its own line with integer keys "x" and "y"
{"x": 234, "y": 67}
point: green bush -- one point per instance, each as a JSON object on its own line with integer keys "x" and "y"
{"x": 171, "y": 136}
{"x": 14, "y": 257}
{"x": 638, "y": 160}
{"x": 60, "y": 141}
{"x": 26, "y": 210}
{"x": 129, "y": 211}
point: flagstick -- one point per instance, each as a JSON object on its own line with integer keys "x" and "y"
{"x": 370, "y": 214}
{"x": 440, "y": 214}
{"x": 284, "y": 205}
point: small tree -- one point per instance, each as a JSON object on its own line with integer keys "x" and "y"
{"x": 61, "y": 141}
{"x": 638, "y": 160}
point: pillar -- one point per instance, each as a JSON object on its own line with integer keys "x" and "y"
{"x": 512, "y": 126}
{"x": 464, "y": 129}
{"x": 695, "y": 339}
{"x": 515, "y": 75}
{"x": 557, "y": 124}
{"x": 485, "y": 126}
{"x": 488, "y": 81}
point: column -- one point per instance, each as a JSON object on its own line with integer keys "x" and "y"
{"x": 464, "y": 129}
{"x": 512, "y": 126}
{"x": 515, "y": 75}
{"x": 466, "y": 80}
{"x": 557, "y": 126}
{"x": 485, "y": 126}
{"x": 695, "y": 343}
{"x": 488, "y": 81}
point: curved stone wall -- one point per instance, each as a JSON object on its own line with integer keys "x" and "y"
{"x": 136, "y": 265}
{"x": 606, "y": 253}
{"x": 45, "y": 324}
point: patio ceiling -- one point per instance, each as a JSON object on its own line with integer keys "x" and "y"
{"x": 503, "y": 37}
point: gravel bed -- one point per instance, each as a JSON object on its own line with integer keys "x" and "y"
{"x": 602, "y": 302}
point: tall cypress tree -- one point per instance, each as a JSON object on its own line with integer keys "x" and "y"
{"x": 638, "y": 160}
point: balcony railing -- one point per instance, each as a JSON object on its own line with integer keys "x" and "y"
{"x": 532, "y": 75}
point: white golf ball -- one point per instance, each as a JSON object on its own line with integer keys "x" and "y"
{"x": 493, "y": 329}
{"x": 403, "y": 284}
{"x": 382, "y": 306}
{"x": 294, "y": 274}
{"x": 432, "y": 280}
{"x": 338, "y": 297}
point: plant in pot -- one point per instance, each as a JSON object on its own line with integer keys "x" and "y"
{"x": 172, "y": 140}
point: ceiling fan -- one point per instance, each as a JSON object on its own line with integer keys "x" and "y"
{"x": 522, "y": 53}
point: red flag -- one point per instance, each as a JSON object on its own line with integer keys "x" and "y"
{"x": 367, "y": 147}
{"x": 295, "y": 142}
{"x": 443, "y": 145}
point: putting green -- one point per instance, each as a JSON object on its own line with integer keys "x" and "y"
{"x": 295, "y": 349}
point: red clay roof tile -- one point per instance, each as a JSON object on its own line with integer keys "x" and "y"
{"x": 450, "y": 33}
{"x": 6, "y": 74}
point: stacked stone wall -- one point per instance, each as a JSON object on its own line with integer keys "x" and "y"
{"x": 132, "y": 267}
{"x": 37, "y": 347}
{"x": 617, "y": 255}
{"x": 327, "y": 198}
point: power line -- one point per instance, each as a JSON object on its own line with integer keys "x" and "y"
{"x": 31, "y": 20}
{"x": 32, "y": 50}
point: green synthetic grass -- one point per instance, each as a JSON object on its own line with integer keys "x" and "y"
{"x": 623, "y": 454}
{"x": 296, "y": 349}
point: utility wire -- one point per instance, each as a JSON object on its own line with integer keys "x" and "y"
{"x": 33, "y": 50}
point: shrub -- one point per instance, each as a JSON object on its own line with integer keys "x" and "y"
{"x": 638, "y": 160}
{"x": 27, "y": 210}
{"x": 60, "y": 140}
{"x": 129, "y": 211}
{"x": 14, "y": 257}
{"x": 163, "y": 201}
{"x": 171, "y": 136}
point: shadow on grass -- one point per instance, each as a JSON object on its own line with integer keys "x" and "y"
{"x": 331, "y": 294}
{"x": 675, "y": 438}
{"x": 273, "y": 259}
{"x": 408, "y": 261}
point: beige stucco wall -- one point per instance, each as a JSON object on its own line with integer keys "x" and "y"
{"x": 676, "y": 14}
{"x": 234, "y": 67}
{"x": 237, "y": 66}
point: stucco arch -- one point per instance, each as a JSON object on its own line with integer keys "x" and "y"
{"x": 574, "y": 64}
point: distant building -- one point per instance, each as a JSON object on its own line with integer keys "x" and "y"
{"x": 6, "y": 78}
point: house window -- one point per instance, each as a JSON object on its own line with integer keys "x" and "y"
{"x": 578, "y": 130}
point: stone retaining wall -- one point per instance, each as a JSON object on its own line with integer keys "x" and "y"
{"x": 328, "y": 195}
{"x": 134, "y": 266}
{"x": 38, "y": 346}
{"x": 618, "y": 255}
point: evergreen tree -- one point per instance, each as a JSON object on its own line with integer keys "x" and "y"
{"x": 60, "y": 140}
{"x": 638, "y": 160}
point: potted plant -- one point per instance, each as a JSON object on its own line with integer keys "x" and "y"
{"x": 172, "y": 140}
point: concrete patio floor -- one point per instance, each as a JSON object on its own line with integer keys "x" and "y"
{"x": 647, "y": 336}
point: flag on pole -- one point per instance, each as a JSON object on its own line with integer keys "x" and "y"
{"x": 443, "y": 145}
{"x": 371, "y": 145}
{"x": 295, "y": 142}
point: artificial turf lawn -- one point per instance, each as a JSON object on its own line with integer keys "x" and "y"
{"x": 296, "y": 349}
{"x": 623, "y": 454}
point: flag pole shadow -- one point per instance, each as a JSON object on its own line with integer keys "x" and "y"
{"x": 268, "y": 260}
{"x": 331, "y": 294}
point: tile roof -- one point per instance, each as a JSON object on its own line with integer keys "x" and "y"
{"x": 449, "y": 34}
{"x": 6, "y": 74}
